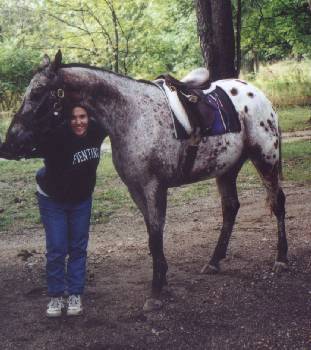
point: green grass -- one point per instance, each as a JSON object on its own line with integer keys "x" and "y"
{"x": 17, "y": 201}
{"x": 295, "y": 118}
{"x": 286, "y": 83}
{"x": 185, "y": 194}
{"x": 19, "y": 207}
{"x": 297, "y": 162}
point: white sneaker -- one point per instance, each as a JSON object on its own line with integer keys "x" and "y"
{"x": 55, "y": 307}
{"x": 74, "y": 306}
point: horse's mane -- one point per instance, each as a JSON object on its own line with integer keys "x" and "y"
{"x": 104, "y": 70}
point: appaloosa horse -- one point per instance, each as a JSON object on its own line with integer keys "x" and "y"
{"x": 147, "y": 157}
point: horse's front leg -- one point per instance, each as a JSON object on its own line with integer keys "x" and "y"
{"x": 159, "y": 262}
{"x": 152, "y": 200}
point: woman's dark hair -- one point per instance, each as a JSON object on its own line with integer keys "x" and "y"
{"x": 69, "y": 108}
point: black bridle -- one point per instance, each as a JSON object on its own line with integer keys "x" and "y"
{"x": 50, "y": 109}
{"x": 59, "y": 95}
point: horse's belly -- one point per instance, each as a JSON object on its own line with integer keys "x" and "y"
{"x": 216, "y": 157}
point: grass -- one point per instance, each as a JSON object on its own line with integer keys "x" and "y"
{"x": 297, "y": 162}
{"x": 295, "y": 118}
{"x": 17, "y": 201}
{"x": 286, "y": 83}
{"x": 18, "y": 207}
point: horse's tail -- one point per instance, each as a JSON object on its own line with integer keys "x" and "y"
{"x": 280, "y": 165}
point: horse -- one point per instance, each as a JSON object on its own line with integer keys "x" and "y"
{"x": 148, "y": 158}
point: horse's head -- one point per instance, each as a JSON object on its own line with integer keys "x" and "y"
{"x": 42, "y": 103}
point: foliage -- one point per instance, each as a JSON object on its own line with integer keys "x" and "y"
{"x": 276, "y": 29}
{"x": 135, "y": 37}
{"x": 16, "y": 69}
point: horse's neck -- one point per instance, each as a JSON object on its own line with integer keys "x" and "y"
{"x": 108, "y": 82}
{"x": 118, "y": 98}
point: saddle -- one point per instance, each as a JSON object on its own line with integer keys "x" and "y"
{"x": 196, "y": 111}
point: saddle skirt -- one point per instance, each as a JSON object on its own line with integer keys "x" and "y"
{"x": 209, "y": 111}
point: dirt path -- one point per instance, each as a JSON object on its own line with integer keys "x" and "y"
{"x": 296, "y": 136}
{"x": 246, "y": 306}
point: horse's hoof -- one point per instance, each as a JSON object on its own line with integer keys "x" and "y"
{"x": 152, "y": 304}
{"x": 280, "y": 266}
{"x": 209, "y": 269}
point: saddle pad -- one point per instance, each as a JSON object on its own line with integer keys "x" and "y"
{"x": 226, "y": 118}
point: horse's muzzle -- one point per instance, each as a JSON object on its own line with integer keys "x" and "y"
{"x": 17, "y": 147}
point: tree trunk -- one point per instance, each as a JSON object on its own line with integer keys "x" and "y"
{"x": 238, "y": 37}
{"x": 204, "y": 23}
{"x": 215, "y": 29}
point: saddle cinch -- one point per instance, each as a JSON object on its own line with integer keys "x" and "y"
{"x": 198, "y": 112}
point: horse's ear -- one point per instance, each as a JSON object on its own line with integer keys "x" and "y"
{"x": 45, "y": 61}
{"x": 57, "y": 60}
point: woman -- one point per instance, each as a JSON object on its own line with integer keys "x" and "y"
{"x": 64, "y": 189}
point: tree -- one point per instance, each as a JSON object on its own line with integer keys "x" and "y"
{"x": 16, "y": 69}
{"x": 272, "y": 30}
{"x": 215, "y": 29}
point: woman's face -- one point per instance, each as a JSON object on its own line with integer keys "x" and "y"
{"x": 79, "y": 121}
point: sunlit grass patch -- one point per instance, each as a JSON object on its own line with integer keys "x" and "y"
{"x": 286, "y": 83}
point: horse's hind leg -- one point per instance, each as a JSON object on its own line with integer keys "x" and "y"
{"x": 230, "y": 206}
{"x": 276, "y": 200}
{"x": 152, "y": 200}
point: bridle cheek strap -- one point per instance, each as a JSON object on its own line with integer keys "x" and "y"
{"x": 59, "y": 94}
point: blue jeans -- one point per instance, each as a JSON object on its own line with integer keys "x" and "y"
{"x": 67, "y": 233}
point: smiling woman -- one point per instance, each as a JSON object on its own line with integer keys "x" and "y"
{"x": 79, "y": 121}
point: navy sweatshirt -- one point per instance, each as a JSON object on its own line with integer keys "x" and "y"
{"x": 69, "y": 174}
